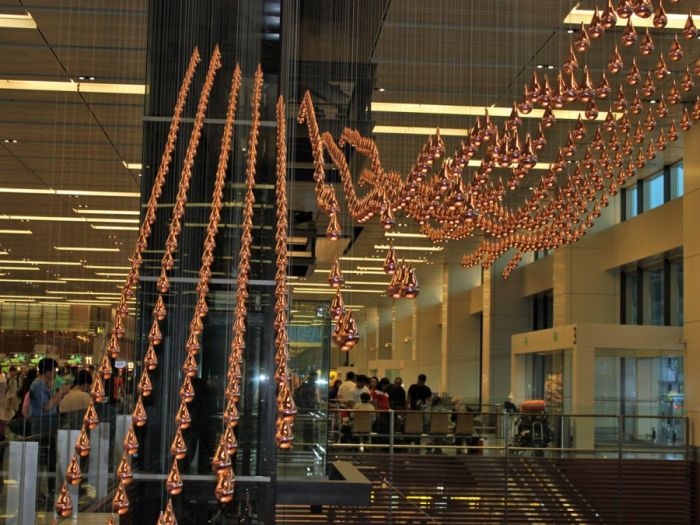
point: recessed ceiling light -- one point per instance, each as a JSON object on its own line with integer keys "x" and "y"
{"x": 381, "y": 90}
{"x": 10, "y": 141}
{"x": 88, "y": 77}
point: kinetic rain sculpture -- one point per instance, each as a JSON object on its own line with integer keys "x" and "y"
{"x": 562, "y": 205}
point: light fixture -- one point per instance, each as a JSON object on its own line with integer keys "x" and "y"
{"x": 48, "y": 263}
{"x": 405, "y": 235}
{"x": 21, "y": 268}
{"x": 84, "y": 249}
{"x": 89, "y": 280}
{"x": 410, "y": 248}
{"x": 12, "y": 21}
{"x": 66, "y": 292}
{"x": 329, "y": 291}
{"x": 16, "y": 232}
{"x": 76, "y": 87}
{"x": 34, "y": 281}
{"x": 10, "y": 141}
{"x": 90, "y": 211}
{"x": 106, "y": 267}
{"x": 132, "y": 165}
{"x": 111, "y": 227}
{"x": 578, "y": 16}
{"x": 378, "y": 260}
{"x": 72, "y": 193}
{"x": 86, "y": 77}
{"x": 476, "y": 111}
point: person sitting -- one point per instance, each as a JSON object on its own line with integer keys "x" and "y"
{"x": 362, "y": 424}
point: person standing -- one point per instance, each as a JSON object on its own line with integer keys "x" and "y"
{"x": 419, "y": 394}
{"x": 346, "y": 389}
{"x": 43, "y": 409}
{"x": 397, "y": 395}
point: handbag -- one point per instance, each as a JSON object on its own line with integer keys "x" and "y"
{"x": 20, "y": 426}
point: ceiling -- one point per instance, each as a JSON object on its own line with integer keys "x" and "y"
{"x": 70, "y": 157}
{"x": 66, "y": 152}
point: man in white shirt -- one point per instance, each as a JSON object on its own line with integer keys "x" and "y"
{"x": 346, "y": 389}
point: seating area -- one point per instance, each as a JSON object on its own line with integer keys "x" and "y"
{"x": 415, "y": 431}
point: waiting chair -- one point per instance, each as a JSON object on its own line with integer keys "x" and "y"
{"x": 362, "y": 426}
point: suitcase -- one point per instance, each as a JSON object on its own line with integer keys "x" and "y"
{"x": 532, "y": 406}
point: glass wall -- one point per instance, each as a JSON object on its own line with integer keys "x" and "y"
{"x": 640, "y": 385}
{"x": 652, "y": 293}
{"x": 653, "y": 191}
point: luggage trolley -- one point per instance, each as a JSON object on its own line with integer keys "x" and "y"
{"x": 532, "y": 429}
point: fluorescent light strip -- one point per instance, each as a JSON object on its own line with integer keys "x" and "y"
{"x": 16, "y": 232}
{"x": 442, "y": 109}
{"x": 80, "y": 193}
{"x": 48, "y": 263}
{"x": 379, "y": 260}
{"x": 88, "y": 280}
{"x": 120, "y": 228}
{"x": 20, "y": 268}
{"x": 576, "y": 16}
{"x": 101, "y": 267}
{"x": 410, "y": 248}
{"x": 325, "y": 285}
{"x": 112, "y": 219}
{"x": 33, "y": 281}
{"x": 111, "y": 274}
{"x": 132, "y": 165}
{"x": 88, "y": 211}
{"x": 84, "y": 249}
{"x": 66, "y": 292}
{"x": 27, "y": 297}
{"x": 74, "y": 87}
{"x": 8, "y": 21}
{"x": 406, "y": 235}
{"x": 331, "y": 292}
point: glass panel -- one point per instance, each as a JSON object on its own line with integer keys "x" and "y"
{"x": 631, "y": 202}
{"x": 654, "y": 192}
{"x": 644, "y": 388}
{"x": 631, "y": 298}
{"x": 653, "y": 303}
{"x": 676, "y": 180}
{"x": 676, "y": 293}
{"x": 309, "y": 340}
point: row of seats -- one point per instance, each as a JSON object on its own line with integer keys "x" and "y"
{"x": 414, "y": 424}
